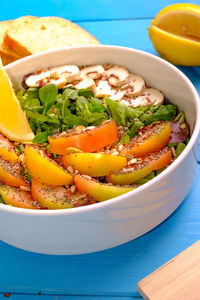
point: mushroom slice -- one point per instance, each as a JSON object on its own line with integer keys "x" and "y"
{"x": 60, "y": 81}
{"x": 117, "y": 75}
{"x": 34, "y": 80}
{"x": 84, "y": 83}
{"x": 116, "y": 94}
{"x": 70, "y": 72}
{"x": 94, "y": 72}
{"x": 148, "y": 97}
{"x": 59, "y": 76}
{"x": 134, "y": 85}
{"x": 102, "y": 89}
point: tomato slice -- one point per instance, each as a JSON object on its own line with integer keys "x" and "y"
{"x": 141, "y": 168}
{"x": 88, "y": 140}
{"x": 100, "y": 191}
{"x": 94, "y": 164}
{"x": 45, "y": 169}
{"x": 15, "y": 197}
{"x": 150, "y": 139}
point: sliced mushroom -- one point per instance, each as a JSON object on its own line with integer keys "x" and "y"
{"x": 34, "y": 80}
{"x": 101, "y": 89}
{"x": 134, "y": 85}
{"x": 117, "y": 75}
{"x": 59, "y": 76}
{"x": 117, "y": 94}
{"x": 71, "y": 72}
{"x": 148, "y": 97}
{"x": 94, "y": 72}
{"x": 84, "y": 83}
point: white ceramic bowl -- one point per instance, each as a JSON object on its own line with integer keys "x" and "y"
{"x": 119, "y": 220}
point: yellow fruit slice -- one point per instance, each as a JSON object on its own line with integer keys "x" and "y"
{"x": 13, "y": 122}
{"x": 175, "y": 34}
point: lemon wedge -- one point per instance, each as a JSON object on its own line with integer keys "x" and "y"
{"x": 175, "y": 34}
{"x": 13, "y": 122}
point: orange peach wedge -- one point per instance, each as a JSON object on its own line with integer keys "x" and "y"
{"x": 12, "y": 173}
{"x": 51, "y": 197}
{"x": 45, "y": 169}
{"x": 100, "y": 191}
{"x": 7, "y": 150}
{"x": 151, "y": 138}
{"x": 15, "y": 197}
{"x": 94, "y": 164}
{"x": 142, "y": 167}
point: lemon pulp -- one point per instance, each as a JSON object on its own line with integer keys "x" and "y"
{"x": 13, "y": 122}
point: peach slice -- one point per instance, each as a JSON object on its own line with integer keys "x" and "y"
{"x": 12, "y": 173}
{"x": 94, "y": 164}
{"x": 87, "y": 140}
{"x": 142, "y": 167}
{"x": 45, "y": 169}
{"x": 15, "y": 197}
{"x": 7, "y": 150}
{"x": 100, "y": 191}
{"x": 51, "y": 197}
{"x": 150, "y": 139}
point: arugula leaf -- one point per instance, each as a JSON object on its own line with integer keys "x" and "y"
{"x": 30, "y": 102}
{"x": 41, "y": 118}
{"x": 134, "y": 113}
{"x": 71, "y": 120}
{"x": 41, "y": 137}
{"x": 163, "y": 113}
{"x": 86, "y": 93}
{"x": 117, "y": 111}
{"x": 179, "y": 149}
{"x": 125, "y": 139}
{"x": 97, "y": 105}
{"x": 48, "y": 95}
{"x": 134, "y": 128}
{"x": 82, "y": 108}
{"x": 145, "y": 179}
{"x": 32, "y": 92}
{"x": 69, "y": 93}
{"x": 122, "y": 113}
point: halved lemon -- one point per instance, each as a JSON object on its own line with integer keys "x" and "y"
{"x": 175, "y": 34}
{"x": 13, "y": 122}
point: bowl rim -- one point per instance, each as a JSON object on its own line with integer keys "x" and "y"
{"x": 165, "y": 173}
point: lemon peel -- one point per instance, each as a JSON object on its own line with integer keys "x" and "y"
{"x": 175, "y": 34}
{"x": 13, "y": 122}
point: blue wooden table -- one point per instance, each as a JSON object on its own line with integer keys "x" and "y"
{"x": 114, "y": 273}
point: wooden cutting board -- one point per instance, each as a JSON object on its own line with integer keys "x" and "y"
{"x": 178, "y": 279}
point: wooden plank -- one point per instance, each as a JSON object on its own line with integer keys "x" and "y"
{"x": 86, "y": 10}
{"x": 178, "y": 279}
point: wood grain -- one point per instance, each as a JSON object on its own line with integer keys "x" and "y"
{"x": 178, "y": 279}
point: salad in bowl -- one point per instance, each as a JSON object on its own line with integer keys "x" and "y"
{"x": 99, "y": 132}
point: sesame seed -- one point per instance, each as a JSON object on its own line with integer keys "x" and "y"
{"x": 24, "y": 188}
{"x": 70, "y": 169}
{"x": 183, "y": 126}
{"x": 86, "y": 176}
{"x": 73, "y": 188}
{"x": 120, "y": 147}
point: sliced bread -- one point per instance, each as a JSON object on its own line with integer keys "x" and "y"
{"x": 33, "y": 35}
{"x": 6, "y": 54}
